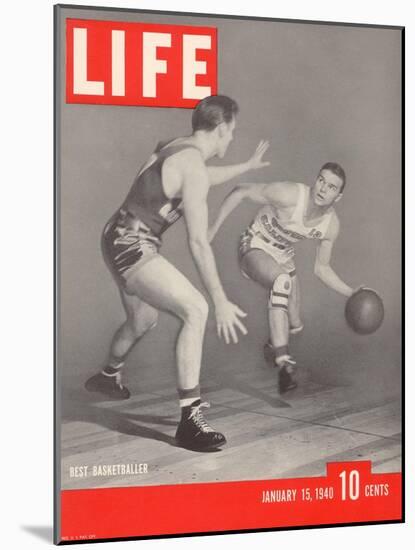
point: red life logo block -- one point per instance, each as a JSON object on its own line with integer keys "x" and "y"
{"x": 117, "y": 63}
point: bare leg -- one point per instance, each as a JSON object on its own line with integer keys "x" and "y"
{"x": 278, "y": 327}
{"x": 263, "y": 269}
{"x": 161, "y": 285}
{"x": 294, "y": 306}
{"x": 140, "y": 318}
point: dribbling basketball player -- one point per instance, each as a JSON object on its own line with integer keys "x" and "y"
{"x": 290, "y": 212}
{"x": 174, "y": 181}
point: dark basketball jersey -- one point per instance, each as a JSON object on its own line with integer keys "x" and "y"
{"x": 147, "y": 201}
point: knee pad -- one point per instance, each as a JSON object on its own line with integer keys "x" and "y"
{"x": 280, "y": 291}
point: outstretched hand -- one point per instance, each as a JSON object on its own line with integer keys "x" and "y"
{"x": 256, "y": 161}
{"x": 227, "y": 321}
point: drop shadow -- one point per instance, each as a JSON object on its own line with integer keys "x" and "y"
{"x": 77, "y": 408}
{"x": 42, "y": 532}
{"x": 234, "y": 383}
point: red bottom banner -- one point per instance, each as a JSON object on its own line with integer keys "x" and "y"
{"x": 350, "y": 493}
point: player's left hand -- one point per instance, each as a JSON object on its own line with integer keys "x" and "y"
{"x": 256, "y": 162}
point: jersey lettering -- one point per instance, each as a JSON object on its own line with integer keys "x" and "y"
{"x": 170, "y": 214}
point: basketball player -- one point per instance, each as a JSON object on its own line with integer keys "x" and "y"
{"x": 174, "y": 181}
{"x": 290, "y": 212}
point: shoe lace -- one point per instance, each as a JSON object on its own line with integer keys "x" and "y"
{"x": 286, "y": 361}
{"x": 118, "y": 380}
{"x": 197, "y": 416}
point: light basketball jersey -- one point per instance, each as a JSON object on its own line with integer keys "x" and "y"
{"x": 283, "y": 234}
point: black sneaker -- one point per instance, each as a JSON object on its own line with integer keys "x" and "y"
{"x": 194, "y": 432}
{"x": 108, "y": 385}
{"x": 286, "y": 380}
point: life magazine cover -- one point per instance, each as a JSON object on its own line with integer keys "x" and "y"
{"x": 228, "y": 340}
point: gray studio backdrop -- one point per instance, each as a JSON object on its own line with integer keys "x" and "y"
{"x": 318, "y": 93}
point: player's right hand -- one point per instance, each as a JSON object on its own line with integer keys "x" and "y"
{"x": 227, "y": 321}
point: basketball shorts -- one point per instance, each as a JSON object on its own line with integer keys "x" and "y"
{"x": 254, "y": 240}
{"x": 127, "y": 243}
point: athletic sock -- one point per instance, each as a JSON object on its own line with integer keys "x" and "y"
{"x": 188, "y": 397}
{"x": 280, "y": 351}
{"x": 282, "y": 356}
{"x": 114, "y": 366}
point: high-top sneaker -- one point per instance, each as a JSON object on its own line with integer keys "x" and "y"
{"x": 194, "y": 432}
{"x": 109, "y": 385}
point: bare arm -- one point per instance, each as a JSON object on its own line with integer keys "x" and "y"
{"x": 278, "y": 193}
{"x": 194, "y": 193}
{"x": 322, "y": 267}
{"x": 196, "y": 215}
{"x": 222, "y": 174}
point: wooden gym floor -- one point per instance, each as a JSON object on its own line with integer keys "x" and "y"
{"x": 268, "y": 436}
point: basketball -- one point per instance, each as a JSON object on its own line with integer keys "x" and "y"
{"x": 364, "y": 311}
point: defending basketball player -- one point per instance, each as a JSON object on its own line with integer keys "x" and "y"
{"x": 290, "y": 212}
{"x": 174, "y": 181}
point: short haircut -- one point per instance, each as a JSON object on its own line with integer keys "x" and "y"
{"x": 212, "y": 111}
{"x": 336, "y": 169}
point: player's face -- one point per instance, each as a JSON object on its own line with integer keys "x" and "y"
{"x": 226, "y": 138}
{"x": 327, "y": 188}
